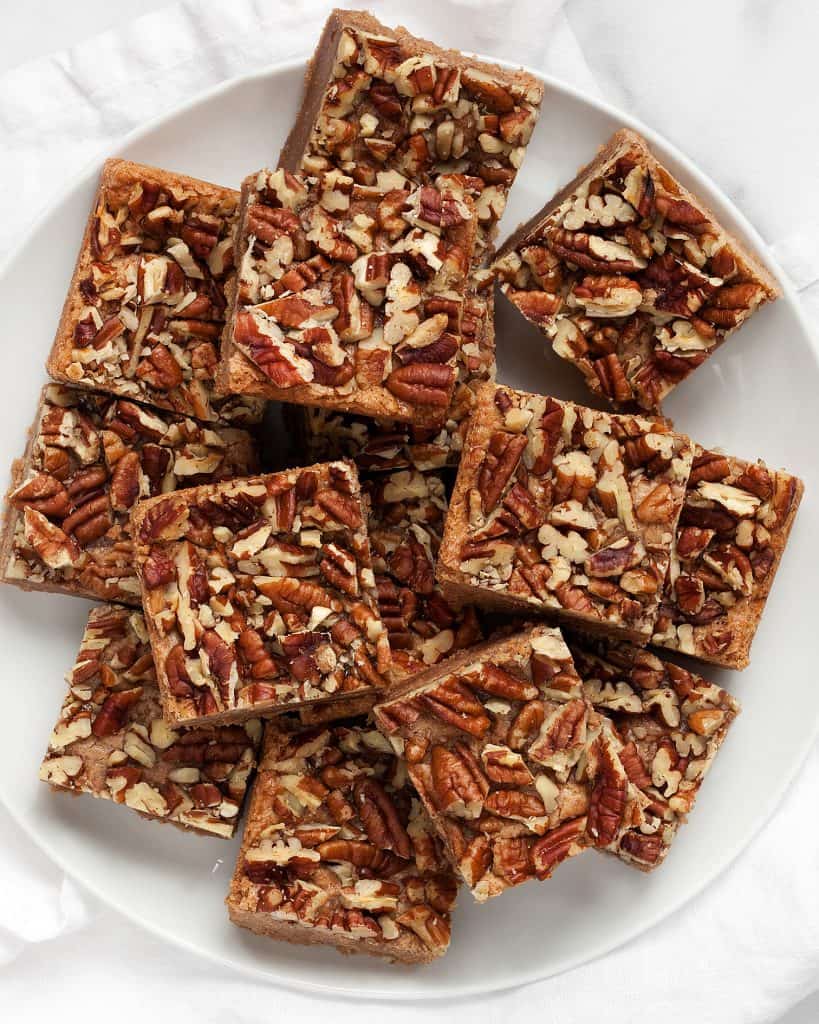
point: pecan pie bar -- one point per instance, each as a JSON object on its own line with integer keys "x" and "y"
{"x": 668, "y": 725}
{"x": 260, "y": 595}
{"x": 111, "y": 740}
{"x": 338, "y": 849}
{"x": 733, "y": 529}
{"x": 395, "y": 111}
{"x": 90, "y": 458}
{"x": 349, "y": 296}
{"x": 631, "y": 277}
{"x": 564, "y": 510}
{"x": 406, "y": 521}
{"x": 497, "y": 741}
{"x": 390, "y": 109}
{"x": 146, "y": 305}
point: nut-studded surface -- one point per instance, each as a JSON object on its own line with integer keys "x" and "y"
{"x": 407, "y": 509}
{"x": 90, "y": 458}
{"x": 338, "y": 849}
{"x": 668, "y": 725}
{"x": 565, "y": 510}
{"x": 349, "y": 296}
{"x": 497, "y": 744}
{"x": 260, "y": 594}
{"x": 146, "y": 306}
{"x": 630, "y": 276}
{"x": 732, "y": 533}
{"x": 380, "y": 445}
{"x": 384, "y": 106}
{"x": 111, "y": 740}
{"x": 393, "y": 110}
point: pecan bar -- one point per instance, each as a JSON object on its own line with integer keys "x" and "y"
{"x": 393, "y": 110}
{"x": 396, "y": 111}
{"x": 260, "y": 595}
{"x": 733, "y": 529}
{"x": 565, "y": 510}
{"x": 496, "y": 741}
{"x": 406, "y": 521}
{"x": 668, "y": 725}
{"x": 631, "y": 277}
{"x": 111, "y": 740}
{"x": 146, "y": 305}
{"x": 348, "y": 296}
{"x": 338, "y": 850}
{"x": 89, "y": 459}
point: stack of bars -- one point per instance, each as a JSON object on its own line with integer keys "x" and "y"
{"x": 427, "y": 722}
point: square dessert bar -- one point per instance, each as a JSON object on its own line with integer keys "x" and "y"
{"x": 338, "y": 849}
{"x": 111, "y": 740}
{"x": 392, "y": 110}
{"x": 388, "y": 108}
{"x": 630, "y": 276}
{"x": 734, "y": 525}
{"x": 564, "y": 510}
{"x": 90, "y": 458}
{"x": 146, "y": 304}
{"x": 348, "y": 296}
{"x": 668, "y": 725}
{"x": 497, "y": 742}
{"x": 406, "y": 522}
{"x": 259, "y": 594}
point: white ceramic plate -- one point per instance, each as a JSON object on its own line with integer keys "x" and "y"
{"x": 756, "y": 398}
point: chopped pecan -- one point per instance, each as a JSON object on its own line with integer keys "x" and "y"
{"x": 607, "y": 806}
{"x": 459, "y": 786}
{"x": 549, "y": 851}
{"x": 380, "y": 818}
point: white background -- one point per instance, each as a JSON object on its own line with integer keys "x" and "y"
{"x": 735, "y": 86}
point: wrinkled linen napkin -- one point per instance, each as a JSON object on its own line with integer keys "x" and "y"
{"x": 747, "y": 948}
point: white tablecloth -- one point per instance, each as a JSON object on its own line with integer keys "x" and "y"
{"x": 734, "y": 85}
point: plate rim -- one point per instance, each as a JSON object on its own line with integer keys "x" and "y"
{"x": 452, "y": 990}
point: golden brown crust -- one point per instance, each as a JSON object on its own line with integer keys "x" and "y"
{"x": 348, "y": 707}
{"x": 483, "y": 530}
{"x": 355, "y": 666}
{"x": 398, "y": 951}
{"x": 466, "y": 729}
{"x": 248, "y": 367}
{"x": 631, "y": 278}
{"x": 117, "y": 176}
{"x": 320, "y": 897}
{"x": 180, "y": 377}
{"x": 60, "y": 355}
{"x": 318, "y": 71}
{"x": 110, "y": 740}
{"x": 417, "y": 46}
{"x": 10, "y": 514}
{"x": 100, "y": 565}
